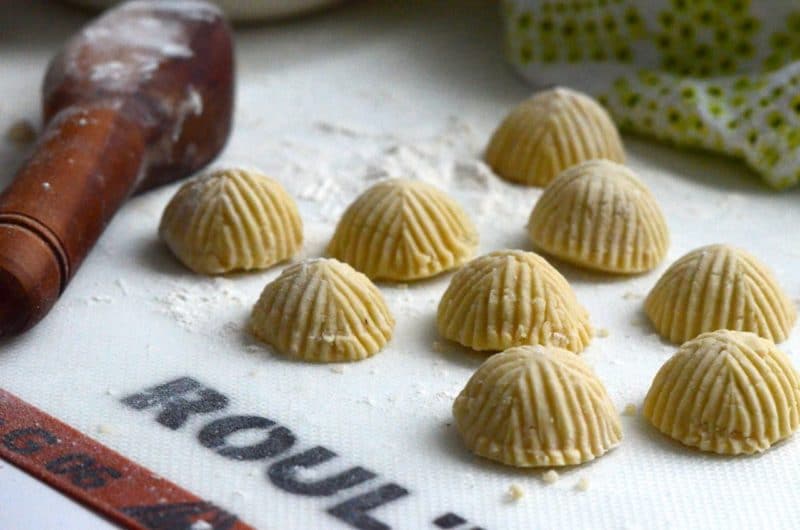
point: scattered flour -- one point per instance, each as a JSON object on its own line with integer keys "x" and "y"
{"x": 100, "y": 299}
{"x": 449, "y": 159}
{"x": 366, "y": 401}
{"x": 123, "y": 286}
{"x": 195, "y": 304}
{"x": 445, "y": 396}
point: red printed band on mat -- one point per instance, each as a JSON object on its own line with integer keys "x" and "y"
{"x": 98, "y": 477}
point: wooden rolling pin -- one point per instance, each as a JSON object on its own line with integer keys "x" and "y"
{"x": 140, "y": 97}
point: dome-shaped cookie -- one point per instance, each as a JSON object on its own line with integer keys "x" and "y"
{"x": 233, "y": 219}
{"x": 321, "y": 310}
{"x": 536, "y": 406}
{"x": 511, "y": 298}
{"x": 719, "y": 287}
{"x": 728, "y": 392}
{"x": 403, "y": 230}
{"x": 599, "y": 215}
{"x": 550, "y": 132}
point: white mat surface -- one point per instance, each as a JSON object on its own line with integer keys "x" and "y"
{"x": 326, "y": 104}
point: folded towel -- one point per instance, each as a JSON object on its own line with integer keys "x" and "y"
{"x": 722, "y": 75}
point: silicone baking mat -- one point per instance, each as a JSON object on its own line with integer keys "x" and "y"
{"x": 153, "y": 362}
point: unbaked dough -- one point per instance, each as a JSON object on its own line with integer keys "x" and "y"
{"x": 599, "y": 215}
{"x": 550, "y": 132}
{"x": 322, "y": 310}
{"x": 719, "y": 287}
{"x": 727, "y": 392}
{"x": 511, "y": 298}
{"x": 534, "y": 406}
{"x": 231, "y": 219}
{"x": 404, "y": 230}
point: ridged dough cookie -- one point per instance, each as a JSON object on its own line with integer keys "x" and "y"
{"x": 536, "y": 406}
{"x": 321, "y": 310}
{"x": 599, "y": 215}
{"x": 510, "y": 298}
{"x": 719, "y": 287}
{"x": 727, "y": 392}
{"x": 403, "y": 230}
{"x": 550, "y": 132}
{"x": 232, "y": 219}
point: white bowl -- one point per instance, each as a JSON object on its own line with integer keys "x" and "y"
{"x": 242, "y": 10}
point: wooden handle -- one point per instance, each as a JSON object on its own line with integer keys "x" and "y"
{"x": 80, "y": 174}
{"x": 140, "y": 97}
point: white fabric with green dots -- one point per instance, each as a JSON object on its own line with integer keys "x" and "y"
{"x": 722, "y": 75}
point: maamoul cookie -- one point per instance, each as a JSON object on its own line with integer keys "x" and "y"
{"x": 719, "y": 287}
{"x": 403, "y": 230}
{"x": 536, "y": 406}
{"x": 510, "y": 298}
{"x": 728, "y": 392}
{"x": 599, "y": 215}
{"x": 321, "y": 310}
{"x": 549, "y": 133}
{"x": 232, "y": 219}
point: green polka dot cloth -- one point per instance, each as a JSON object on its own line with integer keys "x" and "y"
{"x": 722, "y": 75}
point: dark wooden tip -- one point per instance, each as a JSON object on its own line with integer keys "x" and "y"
{"x": 30, "y": 278}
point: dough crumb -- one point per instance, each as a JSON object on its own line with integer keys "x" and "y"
{"x": 582, "y": 484}
{"x": 338, "y": 369}
{"x": 630, "y": 295}
{"x": 515, "y": 492}
{"x": 629, "y": 410}
{"x": 550, "y": 477}
{"x": 104, "y": 429}
{"x": 559, "y": 339}
{"x": 601, "y": 333}
{"x": 21, "y": 132}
